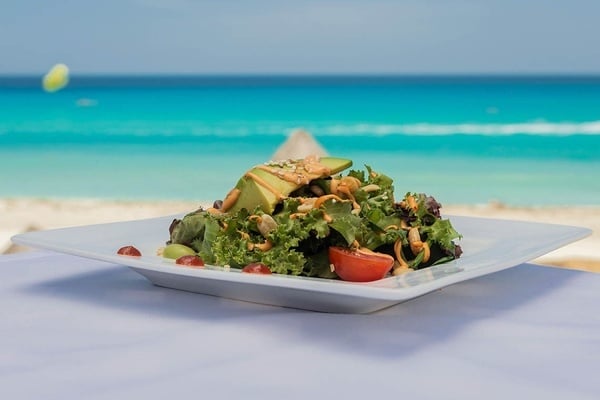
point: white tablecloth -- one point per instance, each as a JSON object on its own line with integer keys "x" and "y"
{"x": 72, "y": 328}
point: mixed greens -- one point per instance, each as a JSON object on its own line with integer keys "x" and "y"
{"x": 356, "y": 211}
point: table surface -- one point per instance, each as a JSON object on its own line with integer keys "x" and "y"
{"x": 77, "y": 328}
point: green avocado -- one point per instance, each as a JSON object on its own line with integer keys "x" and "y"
{"x": 251, "y": 192}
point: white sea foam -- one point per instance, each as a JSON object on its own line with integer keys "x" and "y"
{"x": 528, "y": 128}
{"x": 193, "y": 128}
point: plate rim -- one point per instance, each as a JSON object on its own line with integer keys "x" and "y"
{"x": 370, "y": 290}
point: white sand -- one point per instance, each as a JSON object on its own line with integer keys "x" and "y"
{"x": 586, "y": 252}
{"x": 23, "y": 214}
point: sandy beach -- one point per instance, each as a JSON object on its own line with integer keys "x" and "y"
{"x": 26, "y": 214}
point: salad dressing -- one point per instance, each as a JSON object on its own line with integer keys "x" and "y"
{"x": 303, "y": 173}
{"x": 230, "y": 199}
{"x": 265, "y": 184}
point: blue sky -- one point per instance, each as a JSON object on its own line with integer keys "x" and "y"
{"x": 302, "y": 36}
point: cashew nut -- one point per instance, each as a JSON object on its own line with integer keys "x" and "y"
{"x": 266, "y": 224}
{"x": 266, "y": 245}
{"x": 370, "y": 188}
{"x": 414, "y": 239}
{"x": 398, "y": 253}
{"x": 323, "y": 199}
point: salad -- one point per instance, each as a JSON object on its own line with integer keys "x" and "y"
{"x": 306, "y": 217}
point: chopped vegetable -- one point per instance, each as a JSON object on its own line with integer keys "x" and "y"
{"x": 130, "y": 251}
{"x": 359, "y": 265}
{"x": 256, "y": 268}
{"x": 190, "y": 260}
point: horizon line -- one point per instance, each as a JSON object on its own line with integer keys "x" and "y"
{"x": 310, "y": 74}
{"x": 30, "y": 81}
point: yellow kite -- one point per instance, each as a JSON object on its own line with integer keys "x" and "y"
{"x": 56, "y": 79}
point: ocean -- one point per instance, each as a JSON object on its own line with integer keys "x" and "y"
{"x": 518, "y": 140}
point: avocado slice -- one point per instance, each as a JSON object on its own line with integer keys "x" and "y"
{"x": 266, "y": 185}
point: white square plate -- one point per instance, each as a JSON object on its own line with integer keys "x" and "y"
{"x": 489, "y": 245}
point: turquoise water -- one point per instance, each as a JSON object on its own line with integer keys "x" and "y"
{"x": 521, "y": 141}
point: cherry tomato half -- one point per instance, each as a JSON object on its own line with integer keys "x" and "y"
{"x": 129, "y": 251}
{"x": 190, "y": 260}
{"x": 256, "y": 268}
{"x": 360, "y": 265}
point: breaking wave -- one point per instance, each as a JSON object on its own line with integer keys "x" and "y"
{"x": 499, "y": 129}
{"x": 191, "y": 129}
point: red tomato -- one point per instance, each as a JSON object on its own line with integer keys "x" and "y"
{"x": 256, "y": 268}
{"x": 190, "y": 260}
{"x": 360, "y": 265}
{"x": 129, "y": 251}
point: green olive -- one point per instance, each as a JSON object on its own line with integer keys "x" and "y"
{"x": 176, "y": 250}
